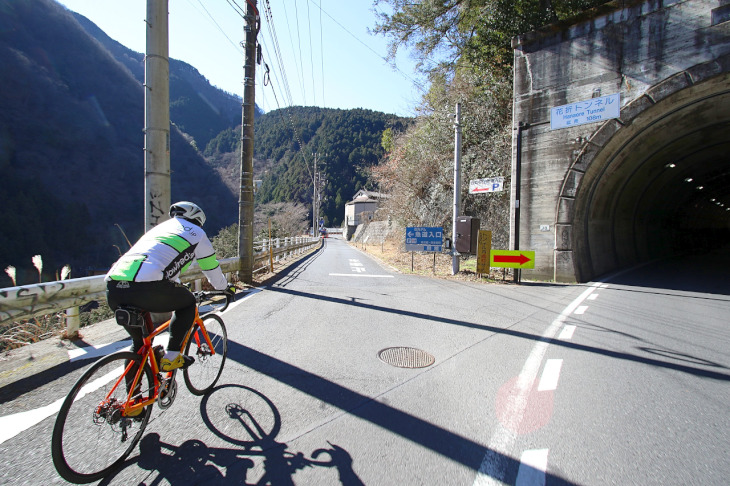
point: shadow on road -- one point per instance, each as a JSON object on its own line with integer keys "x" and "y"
{"x": 247, "y": 419}
{"x": 524, "y": 335}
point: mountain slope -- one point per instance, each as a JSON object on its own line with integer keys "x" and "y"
{"x": 347, "y": 143}
{"x": 196, "y": 108}
{"x": 71, "y": 147}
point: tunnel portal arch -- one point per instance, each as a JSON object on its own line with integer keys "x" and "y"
{"x": 651, "y": 183}
{"x": 658, "y": 186}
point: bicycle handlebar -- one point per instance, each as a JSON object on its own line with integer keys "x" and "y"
{"x": 206, "y": 295}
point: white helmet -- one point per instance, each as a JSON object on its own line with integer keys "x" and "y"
{"x": 189, "y": 211}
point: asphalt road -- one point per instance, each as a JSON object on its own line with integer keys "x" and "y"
{"x": 625, "y": 381}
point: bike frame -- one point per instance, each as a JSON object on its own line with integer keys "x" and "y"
{"x": 146, "y": 351}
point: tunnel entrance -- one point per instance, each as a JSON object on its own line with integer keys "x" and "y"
{"x": 659, "y": 186}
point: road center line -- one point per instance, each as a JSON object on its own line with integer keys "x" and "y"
{"x": 567, "y": 333}
{"x": 495, "y": 461}
{"x": 533, "y": 465}
{"x": 550, "y": 375}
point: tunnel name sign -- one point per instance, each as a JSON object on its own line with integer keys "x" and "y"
{"x": 588, "y": 111}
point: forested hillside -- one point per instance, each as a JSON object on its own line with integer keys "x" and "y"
{"x": 196, "y": 108}
{"x": 348, "y": 143}
{"x": 472, "y": 40}
{"x": 71, "y": 148}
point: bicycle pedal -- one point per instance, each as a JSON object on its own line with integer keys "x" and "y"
{"x": 182, "y": 361}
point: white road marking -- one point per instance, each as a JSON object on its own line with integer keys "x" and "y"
{"x": 249, "y": 293}
{"x": 581, "y": 310}
{"x": 567, "y": 333}
{"x": 593, "y": 297}
{"x": 97, "y": 351}
{"x": 533, "y": 465}
{"x": 12, "y": 425}
{"x": 550, "y": 375}
{"x": 495, "y": 461}
{"x": 359, "y": 275}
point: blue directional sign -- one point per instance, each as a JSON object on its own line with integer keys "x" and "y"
{"x": 424, "y": 238}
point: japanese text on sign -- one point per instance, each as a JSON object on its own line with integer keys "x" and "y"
{"x": 588, "y": 111}
{"x": 423, "y": 238}
{"x": 478, "y": 186}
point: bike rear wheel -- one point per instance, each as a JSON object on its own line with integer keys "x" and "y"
{"x": 91, "y": 438}
{"x": 201, "y": 376}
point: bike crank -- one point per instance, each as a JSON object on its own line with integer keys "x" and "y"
{"x": 168, "y": 392}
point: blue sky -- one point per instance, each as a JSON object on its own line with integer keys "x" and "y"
{"x": 329, "y": 58}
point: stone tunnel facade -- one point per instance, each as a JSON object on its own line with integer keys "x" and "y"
{"x": 594, "y": 198}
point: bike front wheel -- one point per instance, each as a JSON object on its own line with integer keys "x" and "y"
{"x": 201, "y": 376}
{"x": 91, "y": 438}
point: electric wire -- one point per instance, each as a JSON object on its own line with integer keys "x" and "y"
{"x": 415, "y": 83}
{"x": 311, "y": 56}
{"x": 299, "y": 43}
{"x": 235, "y": 46}
{"x": 321, "y": 52}
{"x": 291, "y": 43}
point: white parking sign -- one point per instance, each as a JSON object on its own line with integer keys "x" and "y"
{"x": 478, "y": 186}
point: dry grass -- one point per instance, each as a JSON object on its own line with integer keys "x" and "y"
{"x": 392, "y": 252}
{"x": 17, "y": 334}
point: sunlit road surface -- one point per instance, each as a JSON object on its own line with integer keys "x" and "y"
{"x": 623, "y": 381}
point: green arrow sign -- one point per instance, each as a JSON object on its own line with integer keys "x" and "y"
{"x": 512, "y": 259}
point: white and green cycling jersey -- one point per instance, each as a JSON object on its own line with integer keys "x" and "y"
{"x": 166, "y": 251}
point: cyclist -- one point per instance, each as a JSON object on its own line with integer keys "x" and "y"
{"x": 147, "y": 276}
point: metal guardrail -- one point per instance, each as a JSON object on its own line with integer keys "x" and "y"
{"x": 28, "y": 301}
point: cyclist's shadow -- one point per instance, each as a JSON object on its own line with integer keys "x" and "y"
{"x": 254, "y": 429}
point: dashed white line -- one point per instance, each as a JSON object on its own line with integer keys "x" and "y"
{"x": 567, "y": 333}
{"x": 550, "y": 375}
{"x": 495, "y": 461}
{"x": 592, "y": 297}
{"x": 533, "y": 465}
{"x": 581, "y": 310}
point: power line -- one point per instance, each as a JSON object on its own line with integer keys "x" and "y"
{"x": 299, "y": 43}
{"x": 311, "y": 54}
{"x": 235, "y": 46}
{"x": 321, "y": 52}
{"x": 415, "y": 83}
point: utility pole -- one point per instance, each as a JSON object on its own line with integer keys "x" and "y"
{"x": 246, "y": 197}
{"x": 457, "y": 189}
{"x": 314, "y": 194}
{"x": 157, "y": 116}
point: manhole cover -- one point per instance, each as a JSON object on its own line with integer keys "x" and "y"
{"x": 403, "y": 357}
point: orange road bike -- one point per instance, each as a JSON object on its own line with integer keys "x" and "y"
{"x": 105, "y": 413}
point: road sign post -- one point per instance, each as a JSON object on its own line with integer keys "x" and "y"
{"x": 484, "y": 247}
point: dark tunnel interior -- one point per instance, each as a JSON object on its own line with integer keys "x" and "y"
{"x": 661, "y": 186}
